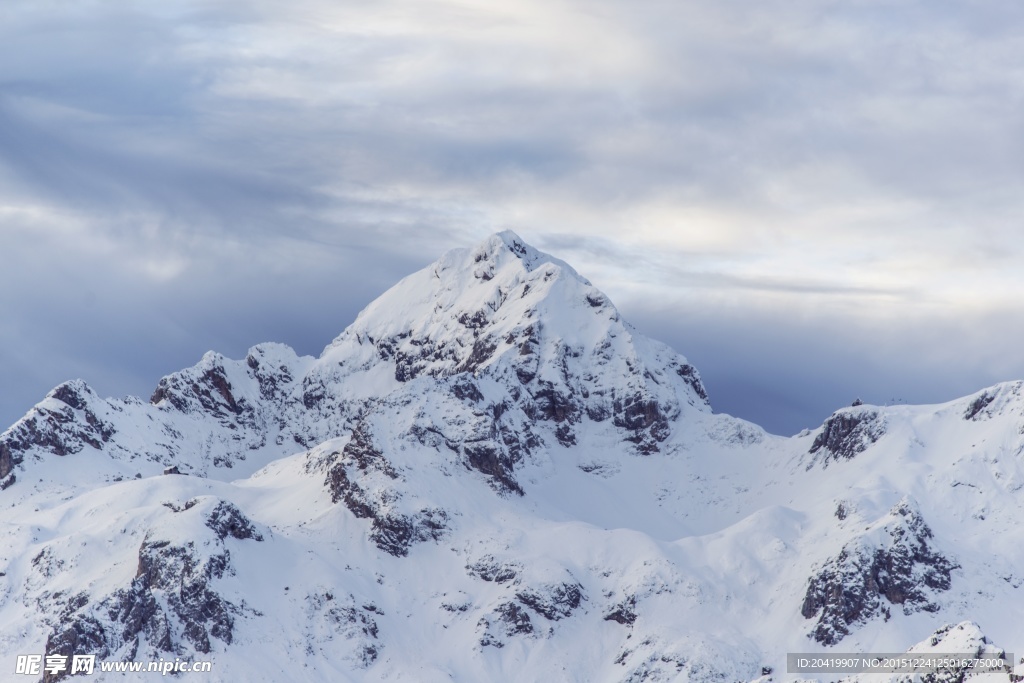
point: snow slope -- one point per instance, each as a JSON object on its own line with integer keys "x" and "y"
{"x": 490, "y": 475}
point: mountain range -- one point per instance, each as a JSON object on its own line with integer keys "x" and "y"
{"x": 490, "y": 475}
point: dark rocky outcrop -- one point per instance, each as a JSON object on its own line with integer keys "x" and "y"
{"x": 395, "y": 533}
{"x": 550, "y": 404}
{"x": 466, "y": 390}
{"x": 7, "y": 459}
{"x": 493, "y": 446}
{"x": 210, "y": 392}
{"x": 508, "y": 619}
{"x": 171, "y": 605}
{"x": 227, "y": 520}
{"x": 363, "y": 453}
{"x": 623, "y": 612}
{"x": 391, "y": 531}
{"x": 359, "y": 456}
{"x": 643, "y": 418}
{"x": 967, "y": 639}
{"x": 490, "y": 569}
{"x": 847, "y": 433}
{"x": 554, "y": 601}
{"x": 692, "y": 377}
{"x": 483, "y": 351}
{"x": 274, "y": 380}
{"x": 345, "y": 490}
{"x": 342, "y": 619}
{"x": 515, "y": 619}
{"x": 487, "y": 457}
{"x": 63, "y": 426}
{"x": 977, "y": 408}
{"x": 78, "y": 634}
{"x": 900, "y": 569}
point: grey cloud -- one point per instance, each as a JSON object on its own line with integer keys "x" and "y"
{"x": 70, "y": 313}
{"x": 788, "y": 371}
{"x": 750, "y": 98}
{"x": 294, "y": 160}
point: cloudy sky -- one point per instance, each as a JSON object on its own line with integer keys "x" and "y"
{"x": 813, "y": 200}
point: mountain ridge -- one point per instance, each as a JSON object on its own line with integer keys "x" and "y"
{"x": 490, "y": 474}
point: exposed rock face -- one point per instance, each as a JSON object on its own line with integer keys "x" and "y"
{"x": 252, "y": 402}
{"x": 975, "y": 409}
{"x": 994, "y": 401}
{"x": 172, "y": 606}
{"x": 211, "y": 416}
{"x": 848, "y": 432}
{"x": 7, "y": 461}
{"x": 210, "y": 392}
{"x": 336, "y": 621}
{"x": 623, "y": 612}
{"x": 395, "y": 533}
{"x": 64, "y": 423}
{"x": 893, "y": 564}
{"x": 490, "y": 569}
{"x": 512, "y": 618}
{"x": 227, "y": 520}
{"x": 364, "y": 480}
{"x": 508, "y": 619}
{"x": 965, "y": 639}
{"x": 551, "y": 602}
{"x": 488, "y": 459}
{"x": 547, "y": 592}
{"x": 77, "y": 634}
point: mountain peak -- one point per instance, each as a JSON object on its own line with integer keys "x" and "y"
{"x": 500, "y": 284}
{"x": 500, "y": 247}
{"x": 517, "y": 314}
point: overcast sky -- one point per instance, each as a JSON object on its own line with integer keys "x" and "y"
{"x": 812, "y": 200}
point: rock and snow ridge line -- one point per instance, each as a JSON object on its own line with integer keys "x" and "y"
{"x": 503, "y": 313}
{"x": 490, "y": 474}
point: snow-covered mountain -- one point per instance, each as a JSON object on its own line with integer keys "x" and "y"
{"x": 490, "y": 475}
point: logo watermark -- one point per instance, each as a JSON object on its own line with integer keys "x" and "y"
{"x": 34, "y": 665}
